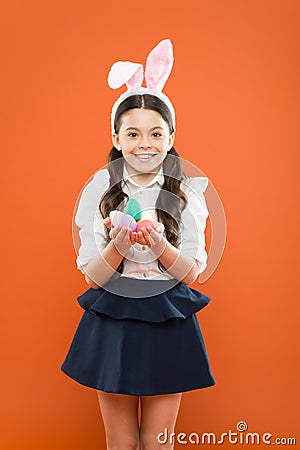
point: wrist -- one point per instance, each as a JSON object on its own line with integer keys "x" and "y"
{"x": 159, "y": 247}
{"x": 122, "y": 251}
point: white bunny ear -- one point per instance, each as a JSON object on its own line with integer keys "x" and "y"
{"x": 159, "y": 65}
{"x": 125, "y": 72}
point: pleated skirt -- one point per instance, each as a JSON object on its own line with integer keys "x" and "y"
{"x": 140, "y": 337}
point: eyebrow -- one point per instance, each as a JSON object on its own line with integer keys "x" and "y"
{"x": 135, "y": 128}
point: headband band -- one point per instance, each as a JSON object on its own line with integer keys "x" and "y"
{"x": 158, "y": 68}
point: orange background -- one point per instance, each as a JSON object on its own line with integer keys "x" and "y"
{"x": 235, "y": 87}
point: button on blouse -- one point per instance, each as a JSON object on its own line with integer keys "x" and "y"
{"x": 140, "y": 261}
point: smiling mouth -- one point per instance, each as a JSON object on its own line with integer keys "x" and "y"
{"x": 144, "y": 156}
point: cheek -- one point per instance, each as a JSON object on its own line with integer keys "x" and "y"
{"x": 128, "y": 147}
{"x": 162, "y": 145}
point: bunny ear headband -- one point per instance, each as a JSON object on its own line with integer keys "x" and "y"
{"x": 158, "y": 68}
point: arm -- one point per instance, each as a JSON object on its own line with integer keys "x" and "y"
{"x": 187, "y": 262}
{"x": 182, "y": 267}
{"x": 101, "y": 268}
{"x": 104, "y": 265}
{"x": 96, "y": 260}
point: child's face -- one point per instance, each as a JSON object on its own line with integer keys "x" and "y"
{"x": 143, "y": 132}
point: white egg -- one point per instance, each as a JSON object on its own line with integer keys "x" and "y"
{"x": 115, "y": 217}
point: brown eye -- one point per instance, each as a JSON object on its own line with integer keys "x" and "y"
{"x": 131, "y": 134}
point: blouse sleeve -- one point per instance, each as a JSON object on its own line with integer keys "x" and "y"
{"x": 194, "y": 223}
{"x": 89, "y": 220}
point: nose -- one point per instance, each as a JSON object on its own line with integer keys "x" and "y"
{"x": 144, "y": 144}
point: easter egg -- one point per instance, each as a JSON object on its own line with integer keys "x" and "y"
{"x": 128, "y": 221}
{"x": 133, "y": 208}
{"x": 144, "y": 223}
{"x": 118, "y": 217}
{"x": 146, "y": 216}
{"x": 115, "y": 217}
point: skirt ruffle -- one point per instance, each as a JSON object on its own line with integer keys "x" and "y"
{"x": 148, "y": 345}
{"x": 115, "y": 300}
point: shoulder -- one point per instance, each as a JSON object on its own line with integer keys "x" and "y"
{"x": 97, "y": 185}
{"x": 100, "y": 181}
{"x": 194, "y": 188}
{"x": 196, "y": 185}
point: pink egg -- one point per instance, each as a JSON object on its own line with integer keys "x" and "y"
{"x": 144, "y": 223}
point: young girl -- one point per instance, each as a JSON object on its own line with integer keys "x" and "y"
{"x": 139, "y": 338}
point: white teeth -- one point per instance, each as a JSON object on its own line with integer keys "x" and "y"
{"x": 144, "y": 156}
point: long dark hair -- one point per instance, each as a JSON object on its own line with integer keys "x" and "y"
{"x": 173, "y": 175}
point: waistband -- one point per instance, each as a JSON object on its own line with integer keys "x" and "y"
{"x": 138, "y": 287}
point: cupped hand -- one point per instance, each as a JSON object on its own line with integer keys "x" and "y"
{"x": 147, "y": 236}
{"x": 122, "y": 238}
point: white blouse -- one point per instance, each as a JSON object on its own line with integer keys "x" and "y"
{"x": 140, "y": 261}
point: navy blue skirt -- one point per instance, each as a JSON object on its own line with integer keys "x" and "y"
{"x": 140, "y": 337}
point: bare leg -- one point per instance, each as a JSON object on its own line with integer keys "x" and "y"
{"x": 120, "y": 418}
{"x": 157, "y": 413}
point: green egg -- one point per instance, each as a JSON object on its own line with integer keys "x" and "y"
{"x": 133, "y": 208}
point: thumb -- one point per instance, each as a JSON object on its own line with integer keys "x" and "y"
{"x": 107, "y": 222}
{"x": 159, "y": 227}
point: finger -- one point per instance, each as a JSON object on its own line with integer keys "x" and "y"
{"x": 136, "y": 237}
{"x": 123, "y": 231}
{"x": 125, "y": 236}
{"x": 160, "y": 227}
{"x": 140, "y": 238}
{"x": 157, "y": 224}
{"x": 107, "y": 222}
{"x": 114, "y": 231}
{"x": 131, "y": 237}
{"x": 146, "y": 236}
{"x": 127, "y": 233}
{"x": 154, "y": 236}
{"x": 133, "y": 241}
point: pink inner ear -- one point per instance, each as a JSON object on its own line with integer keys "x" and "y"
{"x": 136, "y": 80}
{"x": 159, "y": 65}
